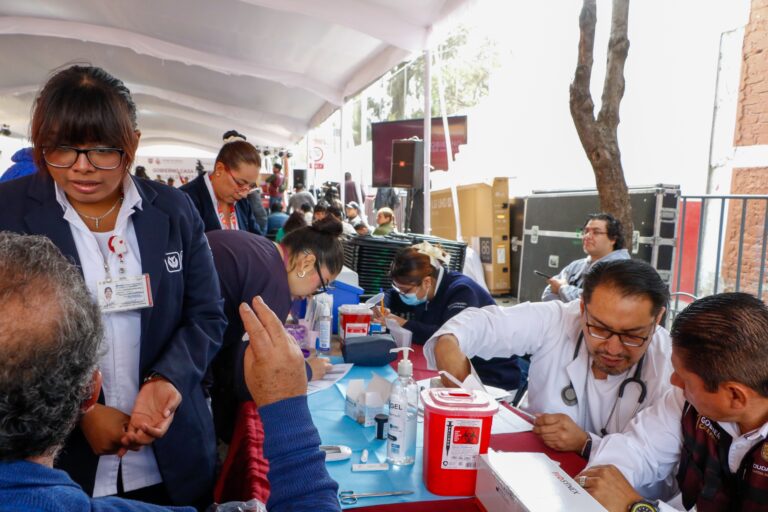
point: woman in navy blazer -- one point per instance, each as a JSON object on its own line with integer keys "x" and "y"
{"x": 85, "y": 137}
{"x": 221, "y": 196}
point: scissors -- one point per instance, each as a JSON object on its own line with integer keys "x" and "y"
{"x": 350, "y": 497}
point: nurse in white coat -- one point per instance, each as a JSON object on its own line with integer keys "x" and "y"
{"x": 595, "y": 362}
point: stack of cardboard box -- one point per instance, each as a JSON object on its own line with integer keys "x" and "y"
{"x": 484, "y": 215}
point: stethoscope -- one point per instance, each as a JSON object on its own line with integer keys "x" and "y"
{"x": 568, "y": 393}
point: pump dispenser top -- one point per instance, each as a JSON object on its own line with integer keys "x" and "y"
{"x": 405, "y": 366}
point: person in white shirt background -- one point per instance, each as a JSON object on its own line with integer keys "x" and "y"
{"x": 710, "y": 430}
{"x": 594, "y": 362}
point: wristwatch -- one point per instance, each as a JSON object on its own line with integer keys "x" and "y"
{"x": 644, "y": 506}
{"x": 152, "y": 376}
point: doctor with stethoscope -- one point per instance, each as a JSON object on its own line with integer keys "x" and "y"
{"x": 595, "y": 362}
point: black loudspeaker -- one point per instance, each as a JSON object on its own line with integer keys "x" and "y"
{"x": 299, "y": 176}
{"x": 408, "y": 163}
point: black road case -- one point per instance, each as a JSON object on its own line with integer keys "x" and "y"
{"x": 552, "y": 232}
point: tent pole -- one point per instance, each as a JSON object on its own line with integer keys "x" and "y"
{"x": 342, "y": 182}
{"x": 448, "y": 147}
{"x": 427, "y": 138}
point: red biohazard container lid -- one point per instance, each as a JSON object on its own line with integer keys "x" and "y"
{"x": 453, "y": 400}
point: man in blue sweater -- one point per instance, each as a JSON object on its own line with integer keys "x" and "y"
{"x": 50, "y": 333}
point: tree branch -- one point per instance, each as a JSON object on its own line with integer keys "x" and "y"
{"x": 581, "y": 104}
{"x": 599, "y": 136}
{"x": 618, "y": 48}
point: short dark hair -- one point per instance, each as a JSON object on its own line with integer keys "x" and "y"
{"x": 335, "y": 211}
{"x": 50, "y": 332}
{"x": 632, "y": 278}
{"x": 322, "y": 239}
{"x": 322, "y": 206}
{"x": 276, "y": 207}
{"x": 83, "y": 104}
{"x": 277, "y": 165}
{"x": 305, "y": 207}
{"x": 724, "y": 337}
{"x": 612, "y": 226}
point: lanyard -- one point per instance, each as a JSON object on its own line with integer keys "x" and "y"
{"x": 232, "y": 218}
{"x": 119, "y": 247}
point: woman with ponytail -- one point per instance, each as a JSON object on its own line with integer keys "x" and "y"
{"x": 301, "y": 265}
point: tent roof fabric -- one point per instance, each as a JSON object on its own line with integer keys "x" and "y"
{"x": 271, "y": 69}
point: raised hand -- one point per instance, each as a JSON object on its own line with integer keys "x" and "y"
{"x": 274, "y": 364}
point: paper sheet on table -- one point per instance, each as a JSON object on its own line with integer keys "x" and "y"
{"x": 335, "y": 374}
{"x": 507, "y": 422}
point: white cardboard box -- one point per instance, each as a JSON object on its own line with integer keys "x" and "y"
{"x": 363, "y": 402}
{"x": 529, "y": 482}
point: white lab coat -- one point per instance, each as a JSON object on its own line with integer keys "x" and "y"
{"x": 549, "y": 332}
{"x": 655, "y": 438}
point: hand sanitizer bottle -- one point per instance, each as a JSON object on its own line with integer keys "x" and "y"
{"x": 403, "y": 413}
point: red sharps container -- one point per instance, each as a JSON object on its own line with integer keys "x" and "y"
{"x": 457, "y": 429}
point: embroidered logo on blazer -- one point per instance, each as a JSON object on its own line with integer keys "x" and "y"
{"x": 173, "y": 261}
{"x": 706, "y": 425}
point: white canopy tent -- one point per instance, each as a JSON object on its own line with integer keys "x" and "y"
{"x": 271, "y": 69}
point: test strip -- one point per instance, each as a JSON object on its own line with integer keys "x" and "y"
{"x": 382, "y": 466}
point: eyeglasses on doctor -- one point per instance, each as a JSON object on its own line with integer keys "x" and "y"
{"x": 629, "y": 340}
{"x": 102, "y": 158}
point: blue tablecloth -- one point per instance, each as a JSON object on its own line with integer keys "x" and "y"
{"x": 336, "y": 428}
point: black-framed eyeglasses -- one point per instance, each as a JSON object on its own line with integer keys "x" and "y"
{"x": 323, "y": 286}
{"x": 593, "y": 232}
{"x": 629, "y": 340}
{"x": 102, "y": 158}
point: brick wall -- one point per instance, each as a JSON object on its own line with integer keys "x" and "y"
{"x": 752, "y": 111}
{"x": 751, "y": 129}
{"x": 746, "y": 181}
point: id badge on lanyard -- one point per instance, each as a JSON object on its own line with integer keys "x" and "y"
{"x": 125, "y": 293}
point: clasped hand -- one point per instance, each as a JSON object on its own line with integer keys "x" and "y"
{"x": 109, "y": 431}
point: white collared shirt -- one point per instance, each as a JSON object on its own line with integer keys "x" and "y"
{"x": 649, "y": 449}
{"x": 214, "y": 201}
{"x": 119, "y": 363}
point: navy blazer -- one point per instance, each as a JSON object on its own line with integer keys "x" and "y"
{"x": 180, "y": 334}
{"x": 202, "y": 201}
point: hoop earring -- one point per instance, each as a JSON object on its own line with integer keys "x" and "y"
{"x": 301, "y": 274}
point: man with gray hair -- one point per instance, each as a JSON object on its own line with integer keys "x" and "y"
{"x": 50, "y": 333}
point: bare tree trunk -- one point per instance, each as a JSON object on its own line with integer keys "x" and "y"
{"x": 599, "y": 136}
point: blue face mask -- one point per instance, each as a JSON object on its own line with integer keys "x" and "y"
{"x": 411, "y": 299}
